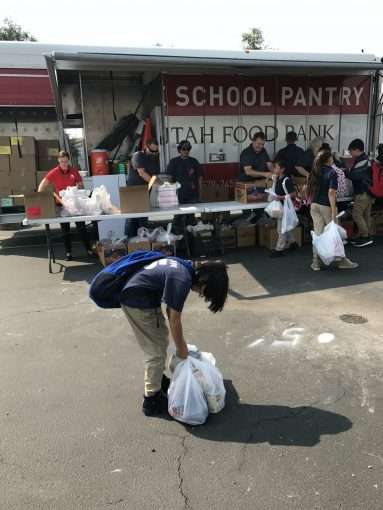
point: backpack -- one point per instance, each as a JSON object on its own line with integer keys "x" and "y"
{"x": 376, "y": 188}
{"x": 106, "y": 286}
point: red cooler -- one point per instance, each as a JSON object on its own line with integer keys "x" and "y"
{"x": 99, "y": 162}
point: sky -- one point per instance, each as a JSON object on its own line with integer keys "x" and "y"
{"x": 343, "y": 26}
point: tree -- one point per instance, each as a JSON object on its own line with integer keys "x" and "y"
{"x": 253, "y": 40}
{"x": 10, "y": 31}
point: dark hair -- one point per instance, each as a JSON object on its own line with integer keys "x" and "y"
{"x": 260, "y": 135}
{"x": 213, "y": 280}
{"x": 325, "y": 147}
{"x": 280, "y": 163}
{"x": 152, "y": 141}
{"x": 63, "y": 154}
{"x": 291, "y": 137}
{"x": 314, "y": 177}
{"x": 184, "y": 144}
{"x": 379, "y": 157}
{"x": 356, "y": 144}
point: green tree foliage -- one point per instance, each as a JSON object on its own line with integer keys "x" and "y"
{"x": 10, "y": 31}
{"x": 253, "y": 39}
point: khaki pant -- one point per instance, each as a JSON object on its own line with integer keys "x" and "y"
{"x": 361, "y": 214}
{"x": 321, "y": 215}
{"x": 152, "y": 335}
{"x": 284, "y": 240}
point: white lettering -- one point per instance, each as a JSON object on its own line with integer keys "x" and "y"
{"x": 196, "y": 101}
{"x": 287, "y": 93}
{"x": 315, "y": 95}
{"x": 330, "y": 91}
{"x": 181, "y": 94}
{"x": 357, "y": 95}
{"x": 232, "y": 96}
{"x": 216, "y": 95}
{"x": 345, "y": 96}
{"x": 262, "y": 98}
{"x": 249, "y": 96}
{"x": 300, "y": 98}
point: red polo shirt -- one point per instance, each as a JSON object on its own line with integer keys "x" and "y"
{"x": 61, "y": 180}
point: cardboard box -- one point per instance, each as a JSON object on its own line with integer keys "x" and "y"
{"x": 5, "y": 180}
{"x": 248, "y": 192}
{"x": 5, "y": 191}
{"x": 377, "y": 224}
{"x": 215, "y": 192}
{"x": 5, "y": 166}
{"x": 134, "y": 199}
{"x": 142, "y": 245}
{"x": 167, "y": 249}
{"x": 47, "y": 154}
{"x": 108, "y": 254}
{"x": 22, "y": 183}
{"x": 24, "y": 165}
{"x": 26, "y": 144}
{"x": 5, "y": 146}
{"x": 228, "y": 236}
{"x": 268, "y": 235}
{"x": 39, "y": 205}
{"x": 246, "y": 236}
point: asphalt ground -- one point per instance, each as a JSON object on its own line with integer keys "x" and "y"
{"x": 301, "y": 354}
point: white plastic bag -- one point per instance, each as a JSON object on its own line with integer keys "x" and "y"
{"x": 329, "y": 245}
{"x": 167, "y": 195}
{"x": 289, "y": 219}
{"x": 274, "y": 209}
{"x": 186, "y": 399}
{"x": 211, "y": 381}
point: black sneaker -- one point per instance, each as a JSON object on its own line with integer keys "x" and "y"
{"x": 276, "y": 254}
{"x": 363, "y": 241}
{"x": 165, "y": 383}
{"x": 293, "y": 246}
{"x": 154, "y": 405}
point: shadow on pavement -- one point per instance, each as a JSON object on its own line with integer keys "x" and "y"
{"x": 273, "y": 424}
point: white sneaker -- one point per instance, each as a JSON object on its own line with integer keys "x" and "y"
{"x": 347, "y": 264}
{"x": 315, "y": 266}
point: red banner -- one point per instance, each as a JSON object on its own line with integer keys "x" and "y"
{"x": 193, "y": 95}
{"x": 25, "y": 87}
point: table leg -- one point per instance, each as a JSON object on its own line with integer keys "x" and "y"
{"x": 51, "y": 256}
{"x": 186, "y": 235}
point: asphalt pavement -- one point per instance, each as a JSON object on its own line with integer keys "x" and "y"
{"x": 302, "y": 358}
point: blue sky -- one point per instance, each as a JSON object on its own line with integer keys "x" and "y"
{"x": 318, "y": 26}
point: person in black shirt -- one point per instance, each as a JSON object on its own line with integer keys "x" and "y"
{"x": 361, "y": 177}
{"x": 168, "y": 281}
{"x": 254, "y": 161}
{"x": 143, "y": 166}
{"x": 291, "y": 154}
{"x": 283, "y": 186}
{"x": 321, "y": 191}
{"x": 188, "y": 172}
{"x": 305, "y": 164}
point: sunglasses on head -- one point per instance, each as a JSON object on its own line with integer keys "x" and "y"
{"x": 153, "y": 151}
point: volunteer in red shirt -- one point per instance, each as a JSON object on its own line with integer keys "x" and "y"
{"x": 60, "y": 177}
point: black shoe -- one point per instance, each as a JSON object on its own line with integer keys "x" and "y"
{"x": 293, "y": 246}
{"x": 154, "y": 405}
{"x": 362, "y": 241}
{"x": 276, "y": 254}
{"x": 68, "y": 257}
{"x": 165, "y": 383}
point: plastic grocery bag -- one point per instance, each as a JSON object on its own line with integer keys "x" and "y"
{"x": 289, "y": 218}
{"x": 329, "y": 245}
{"x": 186, "y": 399}
{"x": 167, "y": 195}
{"x": 274, "y": 209}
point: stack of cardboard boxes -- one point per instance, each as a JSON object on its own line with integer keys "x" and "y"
{"x": 23, "y": 164}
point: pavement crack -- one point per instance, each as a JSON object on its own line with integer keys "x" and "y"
{"x": 180, "y": 475}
